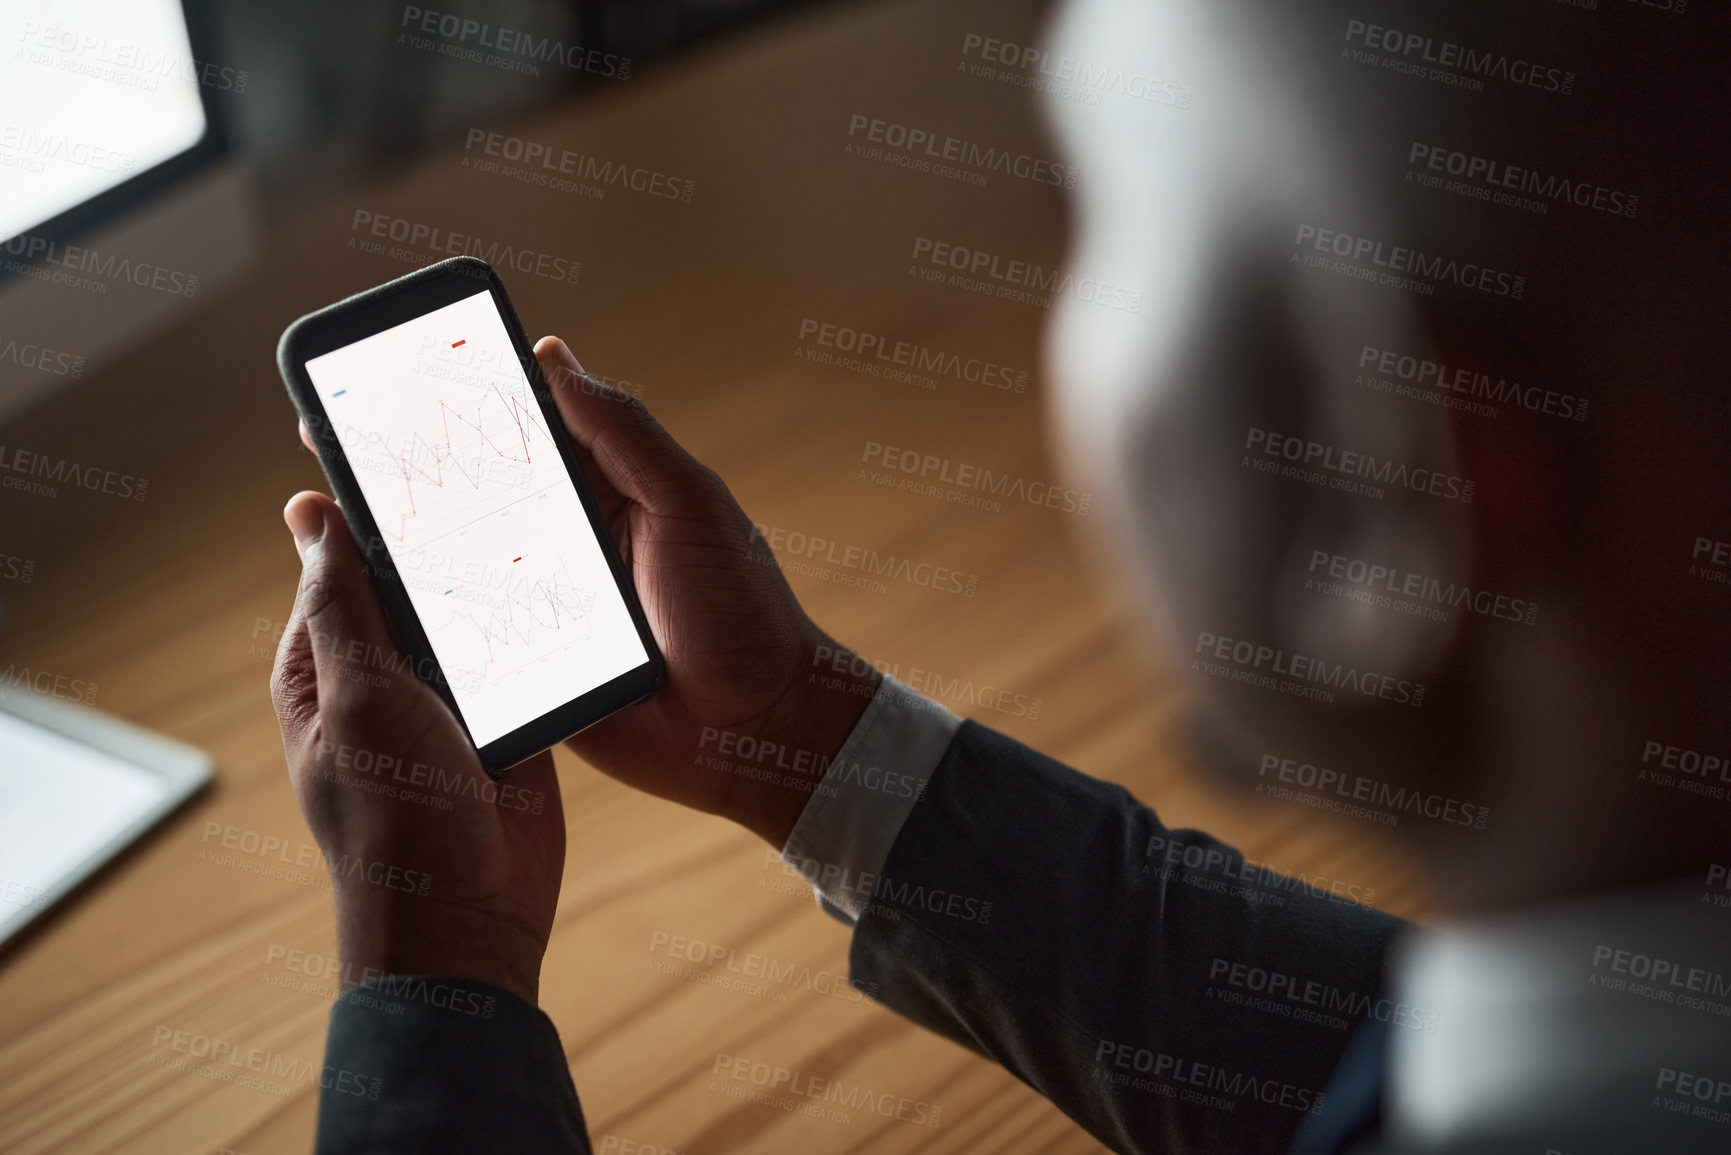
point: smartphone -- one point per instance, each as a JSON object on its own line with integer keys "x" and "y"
{"x": 440, "y": 438}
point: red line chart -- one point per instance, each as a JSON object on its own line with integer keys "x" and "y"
{"x": 487, "y": 449}
{"x": 533, "y": 611}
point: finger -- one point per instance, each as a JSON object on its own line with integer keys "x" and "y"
{"x": 630, "y": 448}
{"x": 307, "y": 437}
{"x": 294, "y": 682}
{"x": 609, "y": 497}
{"x": 337, "y": 629}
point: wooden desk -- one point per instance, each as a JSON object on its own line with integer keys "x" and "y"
{"x": 171, "y": 605}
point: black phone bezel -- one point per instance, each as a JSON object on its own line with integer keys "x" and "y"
{"x": 384, "y": 307}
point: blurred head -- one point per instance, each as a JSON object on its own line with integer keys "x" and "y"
{"x": 1405, "y": 409}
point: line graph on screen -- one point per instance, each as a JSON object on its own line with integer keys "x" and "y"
{"x": 465, "y": 461}
{"x": 534, "y": 613}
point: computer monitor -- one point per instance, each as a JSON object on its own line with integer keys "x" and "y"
{"x": 119, "y": 200}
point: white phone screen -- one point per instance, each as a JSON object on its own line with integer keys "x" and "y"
{"x": 484, "y": 525}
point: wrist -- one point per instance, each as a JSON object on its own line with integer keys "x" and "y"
{"x": 811, "y": 724}
{"x": 454, "y": 942}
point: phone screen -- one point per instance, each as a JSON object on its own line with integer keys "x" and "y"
{"x": 482, "y": 521}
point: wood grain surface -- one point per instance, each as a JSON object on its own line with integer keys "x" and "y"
{"x": 171, "y": 605}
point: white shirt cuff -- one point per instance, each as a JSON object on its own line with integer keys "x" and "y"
{"x": 844, "y": 834}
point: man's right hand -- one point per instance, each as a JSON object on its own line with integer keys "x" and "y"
{"x": 741, "y": 653}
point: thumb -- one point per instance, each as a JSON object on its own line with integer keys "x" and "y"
{"x": 337, "y": 633}
{"x": 630, "y": 448}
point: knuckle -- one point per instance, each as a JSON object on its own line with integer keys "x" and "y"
{"x": 290, "y": 682}
{"x": 320, "y": 590}
{"x": 713, "y": 491}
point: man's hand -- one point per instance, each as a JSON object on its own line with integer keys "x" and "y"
{"x": 757, "y": 702}
{"x": 437, "y": 869}
{"x": 745, "y": 666}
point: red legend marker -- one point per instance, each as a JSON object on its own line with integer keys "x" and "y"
{"x": 516, "y": 559}
{"x": 464, "y": 341}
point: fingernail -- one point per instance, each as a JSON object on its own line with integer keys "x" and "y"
{"x": 306, "y": 522}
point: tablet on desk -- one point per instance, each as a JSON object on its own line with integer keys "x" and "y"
{"x": 76, "y": 788}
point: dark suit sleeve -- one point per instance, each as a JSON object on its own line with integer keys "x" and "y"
{"x": 1049, "y": 921}
{"x": 419, "y": 1063}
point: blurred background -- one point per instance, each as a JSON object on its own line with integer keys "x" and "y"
{"x": 734, "y": 240}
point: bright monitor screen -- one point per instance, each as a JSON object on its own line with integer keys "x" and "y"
{"x": 92, "y": 92}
